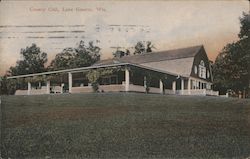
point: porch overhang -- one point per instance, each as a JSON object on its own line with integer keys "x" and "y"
{"x": 82, "y": 69}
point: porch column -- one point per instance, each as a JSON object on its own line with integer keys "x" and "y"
{"x": 62, "y": 85}
{"x": 182, "y": 86}
{"x": 189, "y": 86}
{"x": 29, "y": 88}
{"x": 70, "y": 82}
{"x": 195, "y": 84}
{"x": 161, "y": 87}
{"x": 174, "y": 86}
{"x": 126, "y": 79}
{"x": 145, "y": 82}
{"x": 48, "y": 87}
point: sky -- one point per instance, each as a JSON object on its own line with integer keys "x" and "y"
{"x": 55, "y": 25}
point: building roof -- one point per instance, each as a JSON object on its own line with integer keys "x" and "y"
{"x": 177, "y": 61}
{"x": 163, "y": 55}
{"x": 173, "y": 62}
{"x": 155, "y": 56}
{"x": 181, "y": 66}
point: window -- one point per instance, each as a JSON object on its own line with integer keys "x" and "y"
{"x": 208, "y": 74}
{"x": 195, "y": 69}
{"x": 202, "y": 70}
{"x": 202, "y": 63}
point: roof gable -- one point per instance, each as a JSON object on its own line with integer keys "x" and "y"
{"x": 163, "y": 55}
{"x": 155, "y": 56}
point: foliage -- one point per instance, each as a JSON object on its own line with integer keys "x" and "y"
{"x": 148, "y": 79}
{"x": 93, "y": 51}
{"x": 81, "y": 56}
{"x": 232, "y": 65}
{"x": 63, "y": 60}
{"x": 149, "y": 46}
{"x": 3, "y": 88}
{"x": 119, "y": 53}
{"x": 53, "y": 77}
{"x": 32, "y": 61}
{"x": 94, "y": 75}
{"x": 7, "y": 87}
{"x": 42, "y": 78}
{"x": 2, "y": 85}
{"x": 140, "y": 47}
{"x": 95, "y": 86}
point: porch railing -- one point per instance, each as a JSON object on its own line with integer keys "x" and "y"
{"x": 202, "y": 92}
{"x": 121, "y": 88}
{"x": 104, "y": 88}
{"x": 33, "y": 91}
{"x": 136, "y": 88}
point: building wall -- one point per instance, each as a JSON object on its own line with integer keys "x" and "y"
{"x": 201, "y": 55}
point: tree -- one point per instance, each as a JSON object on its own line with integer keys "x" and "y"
{"x": 245, "y": 42}
{"x": 232, "y": 65}
{"x": 2, "y": 85}
{"x": 140, "y": 47}
{"x": 149, "y": 47}
{"x": 81, "y": 56}
{"x": 62, "y": 60}
{"x": 7, "y": 86}
{"x": 33, "y": 60}
{"x": 119, "y": 53}
{"x": 95, "y": 75}
{"x": 94, "y": 52}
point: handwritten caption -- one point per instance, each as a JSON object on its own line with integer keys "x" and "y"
{"x": 66, "y": 9}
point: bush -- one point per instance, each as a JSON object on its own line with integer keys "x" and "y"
{"x": 95, "y": 86}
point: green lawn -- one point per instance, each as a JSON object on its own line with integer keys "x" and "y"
{"x": 122, "y": 125}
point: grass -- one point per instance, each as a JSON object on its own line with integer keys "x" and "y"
{"x": 120, "y": 125}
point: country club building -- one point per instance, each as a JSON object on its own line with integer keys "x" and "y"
{"x": 185, "y": 71}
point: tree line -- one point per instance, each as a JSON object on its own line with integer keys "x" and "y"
{"x": 232, "y": 65}
{"x": 34, "y": 60}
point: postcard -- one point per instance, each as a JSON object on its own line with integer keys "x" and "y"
{"x": 124, "y": 79}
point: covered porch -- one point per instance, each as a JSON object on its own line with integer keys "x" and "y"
{"x": 125, "y": 77}
{"x": 129, "y": 78}
{"x": 194, "y": 86}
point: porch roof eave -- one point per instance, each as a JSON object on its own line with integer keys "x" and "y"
{"x": 75, "y": 70}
